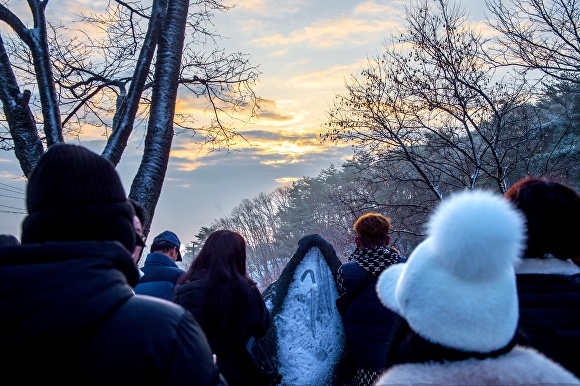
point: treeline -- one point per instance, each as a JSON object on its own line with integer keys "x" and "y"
{"x": 443, "y": 108}
{"x": 329, "y": 204}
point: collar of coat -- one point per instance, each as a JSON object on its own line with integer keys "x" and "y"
{"x": 548, "y": 266}
{"x": 374, "y": 260}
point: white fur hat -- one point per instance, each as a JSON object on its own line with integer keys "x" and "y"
{"x": 458, "y": 287}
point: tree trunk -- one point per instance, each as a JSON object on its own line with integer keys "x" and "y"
{"x": 147, "y": 184}
{"x": 129, "y": 104}
{"x": 27, "y": 145}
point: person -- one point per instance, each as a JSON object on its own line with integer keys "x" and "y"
{"x": 7, "y": 239}
{"x": 457, "y": 293}
{"x": 160, "y": 272}
{"x": 138, "y": 220}
{"x": 226, "y": 302}
{"x": 69, "y": 314}
{"x": 369, "y": 327}
{"x": 548, "y": 281}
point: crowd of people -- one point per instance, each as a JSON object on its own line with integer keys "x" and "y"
{"x": 491, "y": 296}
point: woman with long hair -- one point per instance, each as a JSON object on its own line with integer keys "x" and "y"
{"x": 226, "y": 302}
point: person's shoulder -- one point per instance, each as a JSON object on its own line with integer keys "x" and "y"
{"x": 141, "y": 316}
{"x": 193, "y": 285}
{"x": 154, "y": 308}
{"x": 349, "y": 264}
{"x": 160, "y": 262}
{"x": 352, "y": 267}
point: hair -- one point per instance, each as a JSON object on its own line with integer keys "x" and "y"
{"x": 552, "y": 211}
{"x": 372, "y": 229}
{"x": 7, "y": 240}
{"x": 223, "y": 256}
{"x": 163, "y": 246}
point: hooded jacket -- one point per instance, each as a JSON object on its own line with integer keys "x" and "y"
{"x": 70, "y": 316}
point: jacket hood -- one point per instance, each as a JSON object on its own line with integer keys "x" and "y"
{"x": 59, "y": 290}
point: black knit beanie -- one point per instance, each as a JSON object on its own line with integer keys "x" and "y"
{"x": 74, "y": 194}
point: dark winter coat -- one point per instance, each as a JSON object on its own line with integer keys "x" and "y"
{"x": 550, "y": 309}
{"x": 160, "y": 275}
{"x": 232, "y": 359}
{"x": 369, "y": 326}
{"x": 69, "y": 316}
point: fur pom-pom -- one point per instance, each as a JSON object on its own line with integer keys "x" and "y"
{"x": 477, "y": 234}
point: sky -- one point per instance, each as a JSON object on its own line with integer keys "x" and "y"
{"x": 305, "y": 49}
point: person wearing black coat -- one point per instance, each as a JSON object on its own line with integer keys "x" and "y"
{"x": 548, "y": 280}
{"x": 369, "y": 327}
{"x": 69, "y": 313}
{"x": 227, "y": 304}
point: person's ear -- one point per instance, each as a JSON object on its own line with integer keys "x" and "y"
{"x": 357, "y": 241}
{"x": 387, "y": 240}
{"x": 172, "y": 254}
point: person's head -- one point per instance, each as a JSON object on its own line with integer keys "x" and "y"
{"x": 458, "y": 287}
{"x": 168, "y": 244}
{"x": 552, "y": 210}
{"x": 7, "y": 240}
{"x": 224, "y": 251}
{"x": 74, "y": 194}
{"x": 138, "y": 221}
{"x": 372, "y": 230}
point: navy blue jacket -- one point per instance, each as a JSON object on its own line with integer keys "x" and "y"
{"x": 160, "y": 275}
{"x": 369, "y": 326}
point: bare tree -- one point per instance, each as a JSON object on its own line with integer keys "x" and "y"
{"x": 126, "y": 77}
{"x": 256, "y": 220}
{"x": 538, "y": 35}
{"x": 432, "y": 102}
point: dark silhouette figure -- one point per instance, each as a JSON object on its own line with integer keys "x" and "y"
{"x": 69, "y": 314}
{"x": 226, "y": 302}
{"x": 548, "y": 280}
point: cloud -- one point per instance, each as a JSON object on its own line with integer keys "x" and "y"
{"x": 330, "y": 33}
{"x": 287, "y": 180}
{"x": 268, "y": 7}
{"x": 327, "y": 78}
{"x": 372, "y": 8}
{"x": 265, "y": 146}
{"x": 269, "y": 111}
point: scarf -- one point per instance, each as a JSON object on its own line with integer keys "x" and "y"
{"x": 374, "y": 260}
